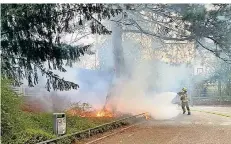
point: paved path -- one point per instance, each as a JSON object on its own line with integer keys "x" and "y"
{"x": 223, "y": 110}
{"x": 199, "y": 128}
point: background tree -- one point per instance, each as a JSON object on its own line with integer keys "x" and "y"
{"x": 184, "y": 22}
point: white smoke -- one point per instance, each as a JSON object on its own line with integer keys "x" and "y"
{"x": 132, "y": 96}
{"x": 151, "y": 86}
{"x": 93, "y": 90}
{"x": 146, "y": 90}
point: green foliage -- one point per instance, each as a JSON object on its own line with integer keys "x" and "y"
{"x": 42, "y": 121}
{"x": 76, "y": 123}
{"x": 213, "y": 24}
{"x": 16, "y": 126}
{"x": 21, "y": 127}
{"x": 31, "y": 38}
{"x": 10, "y": 113}
{"x": 31, "y": 136}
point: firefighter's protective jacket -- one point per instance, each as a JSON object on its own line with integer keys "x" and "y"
{"x": 183, "y": 96}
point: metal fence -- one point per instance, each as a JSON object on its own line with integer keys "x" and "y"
{"x": 91, "y": 130}
{"x": 210, "y": 98}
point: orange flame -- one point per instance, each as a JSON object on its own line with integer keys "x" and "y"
{"x": 98, "y": 113}
{"x": 104, "y": 113}
{"x": 147, "y": 116}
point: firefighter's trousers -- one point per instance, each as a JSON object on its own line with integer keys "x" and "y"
{"x": 185, "y": 104}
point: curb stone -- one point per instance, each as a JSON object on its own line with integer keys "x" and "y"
{"x": 216, "y": 113}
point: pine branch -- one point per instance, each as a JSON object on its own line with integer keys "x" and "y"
{"x": 55, "y": 82}
{"x": 18, "y": 68}
{"x": 17, "y": 74}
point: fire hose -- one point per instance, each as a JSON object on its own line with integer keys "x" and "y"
{"x": 88, "y": 132}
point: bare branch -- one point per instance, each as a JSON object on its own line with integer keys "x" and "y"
{"x": 157, "y": 11}
{"x": 122, "y": 22}
{"x": 158, "y": 36}
{"x": 214, "y": 52}
{"x": 80, "y": 38}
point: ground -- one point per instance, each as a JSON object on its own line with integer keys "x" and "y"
{"x": 198, "y": 128}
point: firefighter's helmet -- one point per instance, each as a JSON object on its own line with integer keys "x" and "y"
{"x": 184, "y": 89}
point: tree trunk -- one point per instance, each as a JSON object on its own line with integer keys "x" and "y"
{"x": 118, "y": 49}
{"x": 119, "y": 64}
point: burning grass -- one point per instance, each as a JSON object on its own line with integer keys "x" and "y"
{"x": 147, "y": 116}
{"x": 91, "y": 114}
{"x": 85, "y": 110}
{"x": 105, "y": 113}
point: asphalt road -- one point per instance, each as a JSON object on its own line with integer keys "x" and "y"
{"x": 198, "y": 128}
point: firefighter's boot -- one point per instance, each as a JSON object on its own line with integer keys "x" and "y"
{"x": 189, "y": 113}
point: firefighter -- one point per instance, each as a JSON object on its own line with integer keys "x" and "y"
{"x": 184, "y": 101}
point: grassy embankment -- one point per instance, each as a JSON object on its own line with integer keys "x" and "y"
{"x": 18, "y": 126}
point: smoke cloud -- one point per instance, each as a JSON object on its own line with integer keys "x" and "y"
{"x": 93, "y": 90}
{"x": 139, "y": 94}
{"x": 149, "y": 86}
